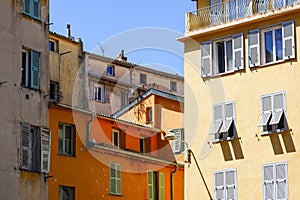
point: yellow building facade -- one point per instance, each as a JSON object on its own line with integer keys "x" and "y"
{"x": 241, "y": 101}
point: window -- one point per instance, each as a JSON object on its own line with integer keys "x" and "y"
{"x": 54, "y": 91}
{"x": 142, "y": 145}
{"x": 101, "y": 93}
{"x": 31, "y": 69}
{"x": 124, "y": 98}
{"x": 277, "y": 44}
{"x": 156, "y": 185}
{"x": 110, "y": 70}
{"x": 52, "y": 45}
{"x": 226, "y": 54}
{"x": 66, "y": 139}
{"x": 143, "y": 78}
{"x": 66, "y": 193}
{"x": 149, "y": 115}
{"x": 115, "y": 138}
{"x": 115, "y": 179}
{"x": 223, "y": 126}
{"x": 35, "y": 148}
{"x": 275, "y": 181}
{"x": 272, "y": 112}
{"x": 178, "y": 144}
{"x": 173, "y": 86}
{"x": 32, "y": 8}
{"x": 225, "y": 186}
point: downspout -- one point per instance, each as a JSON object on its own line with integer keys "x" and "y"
{"x": 88, "y": 141}
{"x": 172, "y": 182}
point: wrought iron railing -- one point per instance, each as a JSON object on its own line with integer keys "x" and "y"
{"x": 232, "y": 10}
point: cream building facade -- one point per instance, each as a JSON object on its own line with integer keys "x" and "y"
{"x": 241, "y": 101}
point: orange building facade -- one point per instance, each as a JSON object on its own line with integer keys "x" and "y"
{"x": 97, "y": 157}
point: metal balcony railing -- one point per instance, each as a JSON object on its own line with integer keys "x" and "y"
{"x": 232, "y": 10}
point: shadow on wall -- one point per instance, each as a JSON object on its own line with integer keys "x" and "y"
{"x": 235, "y": 144}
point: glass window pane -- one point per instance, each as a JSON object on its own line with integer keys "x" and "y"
{"x": 268, "y": 47}
{"x": 229, "y": 59}
{"x": 278, "y": 44}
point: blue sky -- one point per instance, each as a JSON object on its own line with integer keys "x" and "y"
{"x": 146, "y": 30}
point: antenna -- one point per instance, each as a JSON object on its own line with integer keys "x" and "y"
{"x": 101, "y": 48}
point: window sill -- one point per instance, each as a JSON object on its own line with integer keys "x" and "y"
{"x": 100, "y": 101}
{"x": 30, "y": 170}
{"x": 223, "y": 74}
{"x": 272, "y": 132}
{"x": 117, "y": 195}
{"x": 223, "y": 140}
{"x": 32, "y": 18}
{"x": 67, "y": 155}
{"x": 272, "y": 63}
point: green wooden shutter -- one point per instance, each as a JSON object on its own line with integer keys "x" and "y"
{"x": 161, "y": 186}
{"x": 112, "y": 175}
{"x": 45, "y": 150}
{"x": 118, "y": 179}
{"x": 150, "y": 185}
{"x": 26, "y": 144}
{"x": 35, "y": 69}
{"x": 238, "y": 53}
{"x": 206, "y": 59}
{"x": 36, "y": 12}
{"x": 253, "y": 50}
{"x": 288, "y": 40}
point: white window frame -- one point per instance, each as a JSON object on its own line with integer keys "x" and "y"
{"x": 63, "y": 135}
{"x": 117, "y": 187}
{"x": 226, "y": 186}
{"x": 215, "y": 56}
{"x": 221, "y": 123}
{"x": 118, "y": 138}
{"x": 275, "y": 180}
{"x": 96, "y": 91}
{"x": 173, "y": 86}
{"x": 112, "y": 70}
{"x": 274, "y": 129}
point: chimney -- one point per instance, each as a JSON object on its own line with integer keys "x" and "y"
{"x": 69, "y": 31}
{"x": 121, "y": 56}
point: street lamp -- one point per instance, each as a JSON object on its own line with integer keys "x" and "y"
{"x": 171, "y": 136}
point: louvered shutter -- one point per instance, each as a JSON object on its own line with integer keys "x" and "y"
{"x": 118, "y": 179}
{"x": 281, "y": 181}
{"x": 26, "y": 147}
{"x": 219, "y": 185}
{"x": 288, "y": 40}
{"x": 230, "y": 181}
{"x": 228, "y": 117}
{"x": 238, "y": 54}
{"x": 106, "y": 93}
{"x": 266, "y": 110}
{"x": 278, "y": 108}
{"x": 177, "y": 147}
{"x": 35, "y": 69}
{"x": 113, "y": 175}
{"x": 268, "y": 182}
{"x": 36, "y": 11}
{"x": 26, "y": 7}
{"x": 253, "y": 50}
{"x": 161, "y": 186}
{"x": 206, "y": 59}
{"x": 45, "y": 150}
{"x": 150, "y": 185}
{"x": 217, "y": 119}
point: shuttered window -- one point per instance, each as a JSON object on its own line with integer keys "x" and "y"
{"x": 115, "y": 179}
{"x": 32, "y": 8}
{"x": 225, "y": 186}
{"x": 161, "y": 186}
{"x": 178, "y": 144}
{"x": 45, "y": 150}
{"x": 238, "y": 53}
{"x": 30, "y": 69}
{"x": 253, "y": 51}
{"x": 206, "y": 59}
{"x": 101, "y": 93}
{"x": 151, "y": 186}
{"x": 66, "y": 139}
{"x": 223, "y": 127}
{"x": 288, "y": 40}
{"x": 273, "y": 109}
{"x": 35, "y": 69}
{"x": 26, "y": 147}
{"x": 275, "y": 181}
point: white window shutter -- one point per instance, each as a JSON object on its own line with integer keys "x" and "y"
{"x": 288, "y": 40}
{"x": 26, "y": 144}
{"x": 217, "y": 118}
{"x": 150, "y": 185}
{"x": 253, "y": 50}
{"x": 206, "y": 59}
{"x": 161, "y": 186}
{"x": 268, "y": 182}
{"x": 219, "y": 185}
{"x": 45, "y": 150}
{"x": 118, "y": 179}
{"x": 238, "y": 53}
{"x": 229, "y": 115}
{"x": 177, "y": 143}
{"x": 230, "y": 182}
{"x": 281, "y": 181}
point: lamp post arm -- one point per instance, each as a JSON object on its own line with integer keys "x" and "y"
{"x": 192, "y": 153}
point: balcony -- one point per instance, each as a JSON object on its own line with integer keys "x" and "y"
{"x": 232, "y": 10}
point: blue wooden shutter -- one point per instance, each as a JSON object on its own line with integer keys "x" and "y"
{"x": 253, "y": 50}
{"x": 206, "y": 59}
{"x": 36, "y": 9}
{"x": 288, "y": 40}
{"x": 35, "y": 69}
{"x": 26, "y": 7}
{"x": 238, "y": 53}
